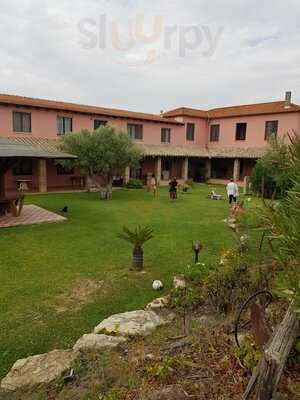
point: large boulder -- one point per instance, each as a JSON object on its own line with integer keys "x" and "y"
{"x": 93, "y": 341}
{"x": 38, "y": 369}
{"x": 133, "y": 323}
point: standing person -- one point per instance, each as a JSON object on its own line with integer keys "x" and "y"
{"x": 153, "y": 185}
{"x": 232, "y": 191}
{"x": 173, "y": 188}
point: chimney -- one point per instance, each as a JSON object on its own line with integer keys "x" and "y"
{"x": 288, "y": 99}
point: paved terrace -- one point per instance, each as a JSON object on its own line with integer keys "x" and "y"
{"x": 31, "y": 214}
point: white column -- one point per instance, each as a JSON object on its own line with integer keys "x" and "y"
{"x": 208, "y": 169}
{"x": 185, "y": 169}
{"x": 158, "y": 170}
{"x": 126, "y": 175}
{"x": 236, "y": 169}
{"x": 42, "y": 176}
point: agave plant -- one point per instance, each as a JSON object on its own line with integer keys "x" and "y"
{"x": 138, "y": 237}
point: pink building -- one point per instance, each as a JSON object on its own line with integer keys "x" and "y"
{"x": 211, "y": 145}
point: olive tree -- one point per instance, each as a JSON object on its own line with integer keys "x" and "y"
{"x": 101, "y": 152}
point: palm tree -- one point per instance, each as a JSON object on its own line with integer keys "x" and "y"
{"x": 138, "y": 237}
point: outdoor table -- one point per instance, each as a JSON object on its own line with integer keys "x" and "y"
{"x": 22, "y": 184}
{"x": 13, "y": 203}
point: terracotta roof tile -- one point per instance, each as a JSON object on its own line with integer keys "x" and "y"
{"x": 237, "y": 152}
{"x": 275, "y": 107}
{"x": 172, "y": 150}
{"x": 186, "y": 112}
{"x": 80, "y": 108}
{"x": 253, "y": 109}
{"x": 167, "y": 150}
{"x": 31, "y": 148}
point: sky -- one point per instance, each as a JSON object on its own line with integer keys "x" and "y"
{"x": 153, "y": 55}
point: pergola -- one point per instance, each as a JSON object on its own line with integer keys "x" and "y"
{"x": 11, "y": 152}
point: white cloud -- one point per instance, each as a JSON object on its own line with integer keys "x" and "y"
{"x": 257, "y": 56}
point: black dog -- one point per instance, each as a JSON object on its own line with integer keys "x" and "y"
{"x": 65, "y": 209}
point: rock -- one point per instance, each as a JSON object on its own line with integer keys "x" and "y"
{"x": 38, "y": 369}
{"x": 133, "y": 323}
{"x": 156, "y": 304}
{"x": 171, "y": 392}
{"x": 92, "y": 341}
{"x": 179, "y": 282}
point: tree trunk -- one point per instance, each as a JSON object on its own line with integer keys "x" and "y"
{"x": 137, "y": 259}
{"x": 88, "y": 183}
{"x": 266, "y": 375}
{"x": 109, "y": 185}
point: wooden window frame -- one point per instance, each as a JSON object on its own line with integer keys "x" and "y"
{"x": 21, "y": 115}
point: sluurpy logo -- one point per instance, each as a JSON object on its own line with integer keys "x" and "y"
{"x": 137, "y": 47}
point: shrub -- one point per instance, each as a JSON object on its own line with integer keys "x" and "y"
{"x": 134, "y": 184}
{"x": 190, "y": 183}
{"x": 261, "y": 177}
{"x": 248, "y": 353}
{"x": 197, "y": 272}
{"x": 185, "y": 187}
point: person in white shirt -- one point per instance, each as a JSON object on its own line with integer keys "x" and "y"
{"x": 232, "y": 191}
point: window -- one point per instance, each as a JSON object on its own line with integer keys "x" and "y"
{"x": 190, "y": 131}
{"x": 98, "y": 123}
{"x": 240, "y": 133}
{"x": 64, "y": 170}
{"x": 214, "y": 133}
{"x": 135, "y": 131}
{"x": 64, "y": 125}
{"x": 165, "y": 135}
{"x": 22, "y": 167}
{"x": 271, "y": 129}
{"x": 21, "y": 122}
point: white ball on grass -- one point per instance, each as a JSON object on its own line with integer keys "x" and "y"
{"x": 157, "y": 285}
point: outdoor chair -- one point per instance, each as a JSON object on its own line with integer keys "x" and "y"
{"x": 214, "y": 196}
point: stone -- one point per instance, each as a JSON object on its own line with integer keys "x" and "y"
{"x": 157, "y": 285}
{"x": 38, "y": 369}
{"x": 92, "y": 341}
{"x": 159, "y": 303}
{"x": 179, "y": 282}
{"x": 132, "y": 323}
{"x": 171, "y": 392}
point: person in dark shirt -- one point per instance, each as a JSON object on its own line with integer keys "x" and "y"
{"x": 173, "y": 188}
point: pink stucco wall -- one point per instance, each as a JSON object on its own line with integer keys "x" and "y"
{"x": 44, "y": 124}
{"x": 255, "y": 135}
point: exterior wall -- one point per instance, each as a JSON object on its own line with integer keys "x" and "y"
{"x": 255, "y": 135}
{"x": 44, "y": 124}
{"x": 201, "y": 131}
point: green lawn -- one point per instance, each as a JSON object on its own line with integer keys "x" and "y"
{"x": 41, "y": 263}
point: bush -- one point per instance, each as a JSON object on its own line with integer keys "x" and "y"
{"x": 185, "y": 187}
{"x": 190, "y": 183}
{"x": 259, "y": 174}
{"x": 134, "y": 184}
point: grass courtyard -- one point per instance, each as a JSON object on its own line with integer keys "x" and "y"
{"x": 59, "y": 280}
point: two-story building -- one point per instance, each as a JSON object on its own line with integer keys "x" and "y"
{"x": 212, "y": 145}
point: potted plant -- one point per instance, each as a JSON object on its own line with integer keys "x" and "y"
{"x": 138, "y": 237}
